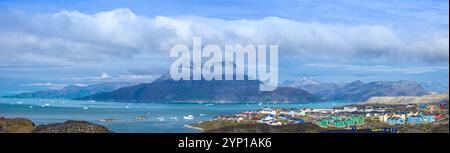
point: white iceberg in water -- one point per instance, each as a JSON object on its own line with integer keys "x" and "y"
{"x": 189, "y": 117}
{"x": 160, "y": 118}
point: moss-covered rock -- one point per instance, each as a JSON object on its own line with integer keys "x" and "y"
{"x": 71, "y": 127}
{"x": 22, "y": 125}
{"x": 16, "y": 125}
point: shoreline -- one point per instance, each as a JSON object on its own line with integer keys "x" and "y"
{"x": 193, "y": 127}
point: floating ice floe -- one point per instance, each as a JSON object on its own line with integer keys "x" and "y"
{"x": 202, "y": 114}
{"x": 31, "y": 106}
{"x": 160, "y": 118}
{"x": 174, "y": 118}
{"x": 85, "y": 108}
{"x": 127, "y": 106}
{"x": 19, "y": 102}
{"x": 189, "y": 117}
{"x": 108, "y": 120}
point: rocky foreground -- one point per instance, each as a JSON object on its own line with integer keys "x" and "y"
{"x": 22, "y": 125}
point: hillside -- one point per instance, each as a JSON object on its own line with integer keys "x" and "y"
{"x": 73, "y": 91}
{"x": 431, "y": 98}
{"x": 165, "y": 89}
{"x": 359, "y": 91}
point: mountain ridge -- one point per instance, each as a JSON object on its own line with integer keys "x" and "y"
{"x": 204, "y": 91}
{"x": 360, "y": 91}
{"x": 73, "y": 91}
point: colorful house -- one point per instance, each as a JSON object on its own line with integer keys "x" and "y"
{"x": 439, "y": 116}
{"x": 299, "y": 120}
{"x": 431, "y": 108}
{"x": 429, "y": 118}
{"x": 415, "y": 119}
{"x": 422, "y": 106}
{"x": 337, "y": 121}
{"x": 443, "y": 106}
{"x": 395, "y": 121}
{"x": 323, "y": 122}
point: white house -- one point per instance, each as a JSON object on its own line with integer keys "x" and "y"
{"x": 369, "y": 109}
{"x": 268, "y": 111}
{"x": 350, "y": 109}
{"x": 297, "y": 113}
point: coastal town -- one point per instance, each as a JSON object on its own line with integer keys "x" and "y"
{"x": 404, "y": 118}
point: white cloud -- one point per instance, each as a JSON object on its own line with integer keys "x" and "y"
{"x": 71, "y": 37}
{"x": 379, "y": 68}
{"x": 48, "y": 85}
{"x": 104, "y": 77}
{"x": 137, "y": 78}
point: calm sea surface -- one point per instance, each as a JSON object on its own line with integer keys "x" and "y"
{"x": 159, "y": 117}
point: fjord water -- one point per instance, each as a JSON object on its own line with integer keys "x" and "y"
{"x": 159, "y": 117}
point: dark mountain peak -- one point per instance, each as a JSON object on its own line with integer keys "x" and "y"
{"x": 162, "y": 78}
{"x": 202, "y": 90}
{"x": 356, "y": 83}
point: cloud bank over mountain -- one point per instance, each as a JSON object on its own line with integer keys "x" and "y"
{"x": 61, "y": 42}
{"x": 68, "y": 37}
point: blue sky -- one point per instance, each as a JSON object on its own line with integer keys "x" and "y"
{"x": 48, "y": 44}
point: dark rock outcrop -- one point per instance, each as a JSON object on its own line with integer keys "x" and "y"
{"x": 22, "y": 125}
{"x": 71, "y": 127}
{"x": 16, "y": 125}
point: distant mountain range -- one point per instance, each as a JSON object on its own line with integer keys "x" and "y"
{"x": 74, "y": 91}
{"x": 165, "y": 89}
{"x": 440, "y": 87}
{"x": 360, "y": 91}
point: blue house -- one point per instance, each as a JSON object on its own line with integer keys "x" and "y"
{"x": 282, "y": 116}
{"x": 415, "y": 119}
{"x": 395, "y": 121}
{"x": 429, "y": 118}
{"x": 422, "y": 106}
{"x": 299, "y": 120}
